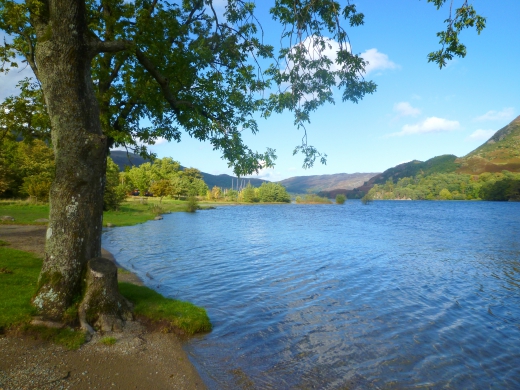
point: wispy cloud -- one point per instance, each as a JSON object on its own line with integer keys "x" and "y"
{"x": 429, "y": 125}
{"x": 480, "y": 135}
{"x": 377, "y": 61}
{"x": 505, "y": 114}
{"x": 267, "y": 174}
{"x": 405, "y": 109}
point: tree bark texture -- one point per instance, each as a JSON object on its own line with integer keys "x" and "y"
{"x": 102, "y": 305}
{"x": 63, "y": 58}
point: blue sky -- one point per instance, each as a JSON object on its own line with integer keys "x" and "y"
{"x": 418, "y": 111}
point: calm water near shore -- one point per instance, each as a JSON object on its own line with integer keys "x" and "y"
{"x": 389, "y": 295}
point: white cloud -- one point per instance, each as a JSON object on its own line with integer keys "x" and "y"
{"x": 506, "y": 114}
{"x": 406, "y": 109}
{"x": 377, "y": 61}
{"x": 481, "y": 135}
{"x": 429, "y": 125}
{"x": 315, "y": 51}
{"x": 160, "y": 141}
{"x": 266, "y": 174}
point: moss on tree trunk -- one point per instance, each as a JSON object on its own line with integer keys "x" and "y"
{"x": 103, "y": 306}
{"x": 64, "y": 57}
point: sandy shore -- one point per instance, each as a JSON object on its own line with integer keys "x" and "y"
{"x": 140, "y": 359}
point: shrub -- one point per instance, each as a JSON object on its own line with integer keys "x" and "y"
{"x": 366, "y": 199}
{"x": 37, "y": 186}
{"x": 313, "y": 199}
{"x": 192, "y": 204}
{"x": 156, "y": 209}
{"x": 340, "y": 199}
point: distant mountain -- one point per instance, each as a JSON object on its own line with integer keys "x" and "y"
{"x": 440, "y": 164}
{"x": 122, "y": 159}
{"x": 317, "y": 183}
{"x": 227, "y": 181}
{"x": 500, "y": 152}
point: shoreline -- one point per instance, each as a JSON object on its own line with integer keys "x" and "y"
{"x": 140, "y": 358}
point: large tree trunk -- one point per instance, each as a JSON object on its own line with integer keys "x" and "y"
{"x": 76, "y": 198}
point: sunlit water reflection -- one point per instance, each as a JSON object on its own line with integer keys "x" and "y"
{"x": 389, "y": 295}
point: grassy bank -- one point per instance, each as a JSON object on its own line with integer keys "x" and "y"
{"x": 24, "y": 213}
{"x": 18, "y": 277}
{"x": 133, "y": 211}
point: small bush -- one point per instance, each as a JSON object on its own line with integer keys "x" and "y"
{"x": 156, "y": 209}
{"x": 313, "y": 199}
{"x": 340, "y": 199}
{"x": 192, "y": 204}
{"x": 366, "y": 199}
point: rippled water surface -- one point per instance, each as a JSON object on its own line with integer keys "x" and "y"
{"x": 389, "y": 295}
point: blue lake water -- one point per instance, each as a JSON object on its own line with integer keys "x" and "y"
{"x": 388, "y": 295}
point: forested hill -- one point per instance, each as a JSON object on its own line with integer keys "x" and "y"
{"x": 440, "y": 164}
{"x": 501, "y": 152}
{"x": 122, "y": 159}
{"x": 317, "y": 183}
{"x": 490, "y": 172}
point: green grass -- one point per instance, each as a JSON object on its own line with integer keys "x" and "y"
{"x": 132, "y": 212}
{"x": 183, "y": 315}
{"x": 24, "y": 213}
{"x": 69, "y": 338}
{"x": 108, "y": 340}
{"x": 18, "y": 277}
{"x": 17, "y": 285}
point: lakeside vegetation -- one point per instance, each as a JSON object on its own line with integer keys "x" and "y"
{"x": 500, "y": 186}
{"x": 340, "y": 199}
{"x": 19, "y": 272}
{"x": 312, "y": 199}
{"x": 27, "y": 171}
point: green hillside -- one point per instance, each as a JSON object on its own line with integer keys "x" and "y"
{"x": 316, "y": 183}
{"x": 126, "y": 159}
{"x": 440, "y": 164}
{"x": 501, "y": 152}
{"x": 490, "y": 172}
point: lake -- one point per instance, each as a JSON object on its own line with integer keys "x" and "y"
{"x": 386, "y": 295}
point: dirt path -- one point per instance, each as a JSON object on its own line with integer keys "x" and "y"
{"x": 138, "y": 360}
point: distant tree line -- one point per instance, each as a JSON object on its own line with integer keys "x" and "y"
{"x": 27, "y": 169}
{"x": 502, "y": 186}
{"x": 267, "y": 193}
